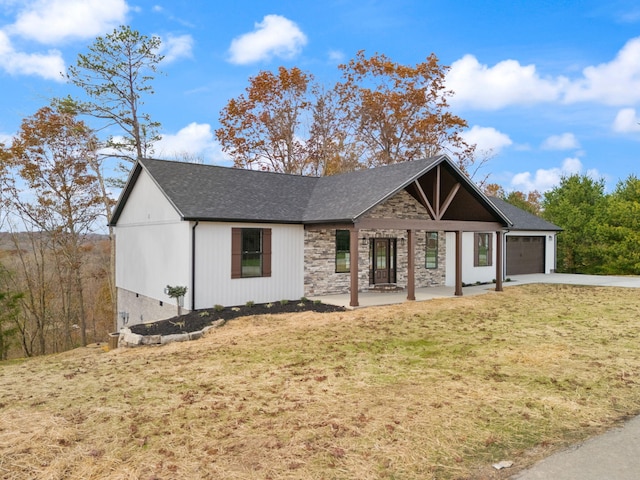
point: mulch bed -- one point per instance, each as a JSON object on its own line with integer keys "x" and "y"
{"x": 198, "y": 319}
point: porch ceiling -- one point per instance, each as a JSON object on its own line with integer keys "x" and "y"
{"x": 450, "y": 198}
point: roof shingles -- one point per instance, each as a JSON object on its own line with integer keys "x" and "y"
{"x": 212, "y": 193}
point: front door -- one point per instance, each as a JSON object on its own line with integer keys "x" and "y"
{"x": 384, "y": 260}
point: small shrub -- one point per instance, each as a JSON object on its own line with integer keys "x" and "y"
{"x": 203, "y": 314}
{"x": 301, "y": 304}
{"x": 249, "y": 304}
{"x": 284, "y": 302}
{"x": 269, "y": 305}
{"x": 235, "y": 309}
{"x": 218, "y": 308}
{"x": 304, "y": 299}
{"x": 317, "y": 302}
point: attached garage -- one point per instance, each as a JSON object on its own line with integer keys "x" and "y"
{"x": 530, "y": 242}
{"x": 525, "y": 254}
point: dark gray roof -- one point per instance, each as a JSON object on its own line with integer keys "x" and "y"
{"x": 206, "y": 192}
{"x": 523, "y": 220}
{"x": 350, "y": 195}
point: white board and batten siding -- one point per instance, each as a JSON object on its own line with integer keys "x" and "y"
{"x": 214, "y": 285}
{"x": 470, "y": 274}
{"x": 153, "y": 246}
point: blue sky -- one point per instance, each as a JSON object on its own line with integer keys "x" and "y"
{"x": 549, "y": 87}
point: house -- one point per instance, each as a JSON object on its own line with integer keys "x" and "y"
{"x": 232, "y": 236}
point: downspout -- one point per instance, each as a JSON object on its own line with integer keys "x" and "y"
{"x": 193, "y": 265}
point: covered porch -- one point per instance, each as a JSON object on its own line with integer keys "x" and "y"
{"x": 411, "y": 226}
{"x": 448, "y": 202}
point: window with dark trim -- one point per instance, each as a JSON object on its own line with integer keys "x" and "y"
{"x": 343, "y": 248}
{"x": 431, "y": 251}
{"x": 482, "y": 249}
{"x": 250, "y": 252}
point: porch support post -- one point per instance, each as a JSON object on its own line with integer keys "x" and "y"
{"x": 499, "y": 259}
{"x": 458, "y": 290}
{"x": 353, "y": 266}
{"x": 411, "y": 260}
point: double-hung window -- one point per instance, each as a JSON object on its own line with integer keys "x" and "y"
{"x": 482, "y": 249}
{"x": 250, "y": 252}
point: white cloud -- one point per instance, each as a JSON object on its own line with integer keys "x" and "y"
{"x": 487, "y": 139}
{"x": 506, "y": 83}
{"x": 509, "y": 83}
{"x": 626, "y": 121}
{"x": 274, "y": 36}
{"x": 566, "y": 141}
{"x": 193, "y": 141}
{"x": 49, "y": 65}
{"x": 544, "y": 180}
{"x": 175, "y": 47}
{"x": 613, "y": 83}
{"x": 55, "y": 21}
{"x": 336, "y": 56}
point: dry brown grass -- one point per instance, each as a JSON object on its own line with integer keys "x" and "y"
{"x": 437, "y": 389}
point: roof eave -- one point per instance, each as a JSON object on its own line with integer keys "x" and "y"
{"x": 126, "y": 192}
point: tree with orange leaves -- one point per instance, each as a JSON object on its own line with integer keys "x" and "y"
{"x": 260, "y": 129}
{"x": 380, "y": 113}
{"x": 399, "y": 113}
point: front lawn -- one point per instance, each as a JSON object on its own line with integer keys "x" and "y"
{"x": 438, "y": 389}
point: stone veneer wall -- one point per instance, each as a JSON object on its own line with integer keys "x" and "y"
{"x": 143, "y": 309}
{"x": 320, "y": 277}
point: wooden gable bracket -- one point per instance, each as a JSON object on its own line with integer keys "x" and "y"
{"x": 425, "y": 200}
{"x": 448, "y": 200}
{"x": 440, "y": 210}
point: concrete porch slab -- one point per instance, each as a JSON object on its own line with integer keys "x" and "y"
{"x": 371, "y": 299}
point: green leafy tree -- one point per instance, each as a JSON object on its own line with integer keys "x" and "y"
{"x": 619, "y": 231}
{"x": 577, "y": 205}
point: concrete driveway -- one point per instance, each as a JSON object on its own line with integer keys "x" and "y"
{"x": 567, "y": 278}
